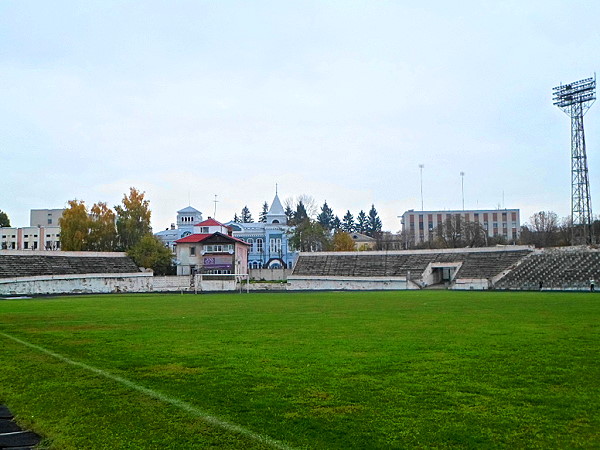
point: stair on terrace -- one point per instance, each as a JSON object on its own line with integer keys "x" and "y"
{"x": 474, "y": 264}
{"x": 35, "y": 265}
{"x": 559, "y": 270}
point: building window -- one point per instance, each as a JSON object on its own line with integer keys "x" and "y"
{"x": 274, "y": 245}
{"x": 219, "y": 248}
{"x": 192, "y": 251}
{"x": 251, "y": 242}
{"x": 259, "y": 245}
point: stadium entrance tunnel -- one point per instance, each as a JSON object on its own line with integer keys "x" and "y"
{"x": 441, "y": 273}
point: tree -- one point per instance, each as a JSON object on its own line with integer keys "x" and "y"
{"x": 542, "y": 230}
{"x": 449, "y": 233}
{"x": 474, "y": 235}
{"x": 74, "y": 227}
{"x": 326, "y": 217}
{"x": 4, "y": 220}
{"x": 309, "y": 203}
{"x": 310, "y": 236}
{"x": 262, "y": 217}
{"x": 361, "y": 222}
{"x": 336, "y": 224}
{"x": 236, "y": 219}
{"x": 300, "y": 215}
{"x": 374, "y": 225}
{"x": 289, "y": 213}
{"x": 133, "y": 219}
{"x": 102, "y": 235}
{"x": 151, "y": 253}
{"x": 348, "y": 223}
{"x": 343, "y": 242}
{"x": 245, "y": 216}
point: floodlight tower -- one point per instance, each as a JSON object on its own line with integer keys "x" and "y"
{"x": 575, "y": 99}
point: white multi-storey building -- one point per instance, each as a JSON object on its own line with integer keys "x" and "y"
{"x": 30, "y": 238}
{"x": 422, "y": 226}
{"x": 45, "y": 217}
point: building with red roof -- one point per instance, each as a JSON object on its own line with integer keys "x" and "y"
{"x": 213, "y": 252}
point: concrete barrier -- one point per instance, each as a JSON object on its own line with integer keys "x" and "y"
{"x": 94, "y": 283}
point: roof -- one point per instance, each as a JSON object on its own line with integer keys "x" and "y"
{"x": 276, "y": 208}
{"x": 361, "y": 237}
{"x": 188, "y": 209}
{"x": 195, "y": 238}
{"x": 210, "y": 222}
{"x": 192, "y": 238}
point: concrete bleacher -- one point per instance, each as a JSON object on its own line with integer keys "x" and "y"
{"x": 36, "y": 264}
{"x": 29, "y": 272}
{"x": 469, "y": 264}
{"x": 555, "y": 269}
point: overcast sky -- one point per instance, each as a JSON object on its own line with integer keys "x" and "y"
{"x": 338, "y": 100}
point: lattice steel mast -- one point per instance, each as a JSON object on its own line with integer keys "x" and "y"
{"x": 575, "y": 99}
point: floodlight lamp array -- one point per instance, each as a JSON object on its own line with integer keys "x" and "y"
{"x": 581, "y": 91}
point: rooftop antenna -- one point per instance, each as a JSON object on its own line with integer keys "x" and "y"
{"x": 421, "y": 169}
{"x": 575, "y": 99}
{"x": 462, "y": 187}
{"x": 215, "y": 201}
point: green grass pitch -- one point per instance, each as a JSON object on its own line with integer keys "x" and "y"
{"x": 305, "y": 370}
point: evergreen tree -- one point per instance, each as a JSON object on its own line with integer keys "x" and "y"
{"x": 246, "y": 217}
{"x": 262, "y": 217}
{"x": 348, "y": 223}
{"x": 289, "y": 213}
{"x": 374, "y": 225}
{"x": 337, "y": 223}
{"x": 300, "y": 215}
{"x": 361, "y": 222}
{"x": 236, "y": 219}
{"x": 4, "y": 220}
{"x": 326, "y": 217}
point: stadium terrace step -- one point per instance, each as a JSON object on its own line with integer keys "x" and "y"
{"x": 566, "y": 270}
{"x": 8, "y": 426}
{"x": 19, "y": 439}
{"x": 12, "y": 436}
{"x": 35, "y": 265}
{"x": 5, "y": 413}
{"x": 475, "y": 264}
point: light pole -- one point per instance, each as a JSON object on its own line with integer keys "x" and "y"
{"x": 421, "y": 169}
{"x": 462, "y": 186}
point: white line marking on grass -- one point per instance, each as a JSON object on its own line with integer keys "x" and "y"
{"x": 212, "y": 420}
